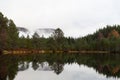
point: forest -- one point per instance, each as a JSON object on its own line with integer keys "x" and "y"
{"x": 104, "y": 39}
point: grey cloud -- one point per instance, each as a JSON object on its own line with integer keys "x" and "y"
{"x": 75, "y": 17}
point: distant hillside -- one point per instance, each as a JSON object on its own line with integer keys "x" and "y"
{"x": 105, "y": 39}
{"x": 109, "y": 30}
{"x": 106, "y": 32}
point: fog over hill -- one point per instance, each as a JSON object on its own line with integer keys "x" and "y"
{"x": 46, "y": 32}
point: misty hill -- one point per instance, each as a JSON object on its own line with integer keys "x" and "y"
{"x": 23, "y": 32}
{"x": 22, "y": 29}
{"x": 46, "y": 32}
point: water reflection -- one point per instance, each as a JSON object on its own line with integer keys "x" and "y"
{"x": 70, "y": 72}
{"x": 64, "y": 66}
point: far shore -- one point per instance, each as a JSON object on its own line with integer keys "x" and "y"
{"x": 25, "y": 51}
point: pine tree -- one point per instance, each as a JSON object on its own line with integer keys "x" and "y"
{"x": 3, "y": 31}
{"x": 12, "y": 35}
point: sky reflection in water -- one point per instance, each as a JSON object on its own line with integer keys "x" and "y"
{"x": 72, "y": 71}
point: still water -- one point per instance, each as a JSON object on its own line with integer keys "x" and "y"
{"x": 62, "y": 66}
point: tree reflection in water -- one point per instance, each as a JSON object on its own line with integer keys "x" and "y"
{"x": 107, "y": 64}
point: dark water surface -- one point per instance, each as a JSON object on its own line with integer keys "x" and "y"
{"x": 60, "y": 66}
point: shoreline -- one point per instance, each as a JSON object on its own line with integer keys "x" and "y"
{"x": 27, "y": 51}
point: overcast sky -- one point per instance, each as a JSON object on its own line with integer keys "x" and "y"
{"x": 75, "y": 17}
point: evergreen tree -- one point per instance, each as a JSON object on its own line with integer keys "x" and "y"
{"x": 58, "y": 33}
{"x": 35, "y": 41}
{"x": 3, "y": 31}
{"x": 12, "y": 35}
{"x": 58, "y": 36}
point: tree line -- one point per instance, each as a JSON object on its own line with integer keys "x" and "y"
{"x": 105, "y": 39}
